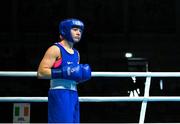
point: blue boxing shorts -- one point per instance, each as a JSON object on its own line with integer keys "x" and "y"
{"x": 63, "y": 106}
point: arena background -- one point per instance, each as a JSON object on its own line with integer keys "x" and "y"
{"x": 147, "y": 28}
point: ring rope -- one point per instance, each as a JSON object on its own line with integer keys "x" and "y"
{"x": 95, "y": 99}
{"x": 97, "y": 74}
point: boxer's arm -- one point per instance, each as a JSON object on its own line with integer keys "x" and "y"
{"x": 44, "y": 69}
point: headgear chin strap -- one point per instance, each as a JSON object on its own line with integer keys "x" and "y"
{"x": 66, "y": 25}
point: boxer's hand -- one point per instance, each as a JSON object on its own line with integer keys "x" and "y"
{"x": 86, "y": 73}
{"x": 79, "y": 72}
{"x": 71, "y": 72}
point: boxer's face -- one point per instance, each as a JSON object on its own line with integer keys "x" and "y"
{"x": 76, "y": 34}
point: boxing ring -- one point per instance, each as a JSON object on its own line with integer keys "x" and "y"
{"x": 144, "y": 99}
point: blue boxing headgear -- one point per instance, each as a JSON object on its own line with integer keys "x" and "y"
{"x": 66, "y": 25}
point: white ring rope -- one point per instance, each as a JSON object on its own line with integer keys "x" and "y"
{"x": 136, "y": 74}
{"x": 95, "y": 99}
{"x": 97, "y": 74}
